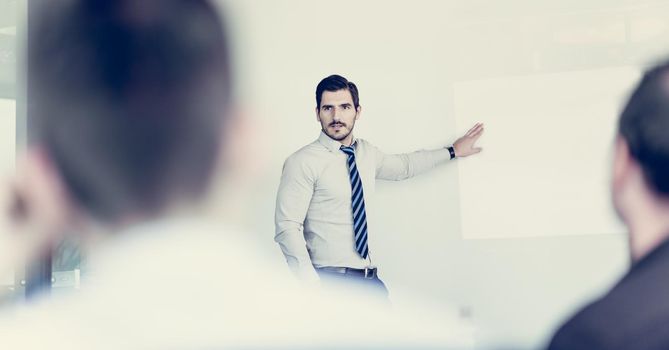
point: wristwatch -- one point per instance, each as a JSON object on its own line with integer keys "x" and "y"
{"x": 451, "y": 150}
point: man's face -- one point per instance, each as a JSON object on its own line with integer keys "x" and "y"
{"x": 337, "y": 115}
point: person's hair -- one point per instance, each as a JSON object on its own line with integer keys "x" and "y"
{"x": 128, "y": 98}
{"x": 644, "y": 125}
{"x": 336, "y": 83}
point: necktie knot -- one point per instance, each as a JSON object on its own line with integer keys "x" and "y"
{"x": 349, "y": 150}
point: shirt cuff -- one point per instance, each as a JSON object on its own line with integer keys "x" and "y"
{"x": 440, "y": 155}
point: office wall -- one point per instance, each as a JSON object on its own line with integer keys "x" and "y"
{"x": 407, "y": 58}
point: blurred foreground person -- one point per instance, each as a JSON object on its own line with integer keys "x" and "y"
{"x": 130, "y": 117}
{"x": 634, "y": 314}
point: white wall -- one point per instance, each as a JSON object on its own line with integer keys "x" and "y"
{"x": 405, "y": 58}
{"x": 7, "y": 159}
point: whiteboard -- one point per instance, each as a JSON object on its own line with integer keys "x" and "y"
{"x": 548, "y": 139}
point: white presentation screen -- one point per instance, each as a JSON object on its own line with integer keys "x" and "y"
{"x": 548, "y": 145}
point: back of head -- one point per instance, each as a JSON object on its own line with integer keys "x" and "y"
{"x": 128, "y": 98}
{"x": 644, "y": 125}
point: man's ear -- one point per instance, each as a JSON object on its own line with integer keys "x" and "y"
{"x": 242, "y": 147}
{"x": 358, "y": 112}
{"x": 43, "y": 188}
{"x": 40, "y": 209}
{"x": 243, "y": 159}
{"x": 623, "y": 164}
{"x": 318, "y": 116}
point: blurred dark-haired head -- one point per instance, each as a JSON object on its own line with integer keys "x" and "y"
{"x": 644, "y": 125}
{"x": 129, "y": 99}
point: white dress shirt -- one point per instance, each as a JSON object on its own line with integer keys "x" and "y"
{"x": 314, "y": 222}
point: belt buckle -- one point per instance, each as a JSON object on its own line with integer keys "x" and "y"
{"x": 369, "y": 273}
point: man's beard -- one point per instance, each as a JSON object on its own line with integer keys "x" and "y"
{"x": 340, "y": 136}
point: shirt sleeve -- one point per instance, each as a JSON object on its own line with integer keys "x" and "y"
{"x": 403, "y": 166}
{"x": 292, "y": 202}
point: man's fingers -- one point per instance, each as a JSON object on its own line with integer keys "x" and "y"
{"x": 474, "y": 135}
{"x": 476, "y": 128}
{"x": 477, "y": 134}
{"x": 473, "y": 128}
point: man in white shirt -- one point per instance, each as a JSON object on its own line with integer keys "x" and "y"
{"x": 321, "y": 221}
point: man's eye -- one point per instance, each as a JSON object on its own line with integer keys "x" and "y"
{"x": 347, "y": 107}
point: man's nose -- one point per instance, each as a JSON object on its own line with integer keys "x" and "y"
{"x": 336, "y": 114}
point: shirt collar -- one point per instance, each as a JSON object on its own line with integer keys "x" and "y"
{"x": 330, "y": 144}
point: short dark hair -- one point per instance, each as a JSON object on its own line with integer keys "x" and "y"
{"x": 128, "y": 98}
{"x": 644, "y": 125}
{"x": 335, "y": 83}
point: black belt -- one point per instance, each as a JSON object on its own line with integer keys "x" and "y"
{"x": 367, "y": 272}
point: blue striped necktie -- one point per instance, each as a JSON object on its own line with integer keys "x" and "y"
{"x": 357, "y": 204}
